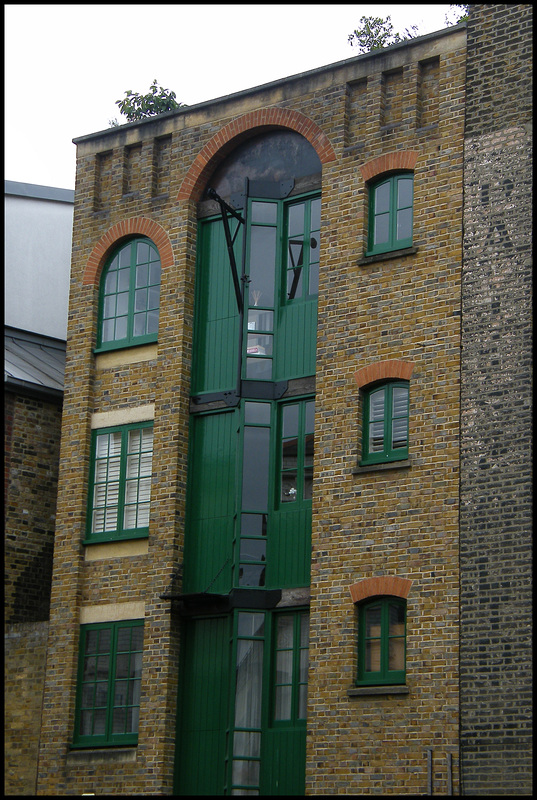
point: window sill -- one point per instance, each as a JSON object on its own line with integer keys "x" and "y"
{"x": 403, "y": 464}
{"x": 360, "y": 691}
{"x": 101, "y": 755}
{"x": 405, "y": 251}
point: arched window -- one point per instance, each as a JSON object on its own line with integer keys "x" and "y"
{"x": 390, "y": 213}
{"x": 385, "y": 422}
{"x": 381, "y": 641}
{"x": 130, "y": 295}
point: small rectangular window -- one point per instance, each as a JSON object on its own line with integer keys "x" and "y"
{"x": 120, "y": 482}
{"x": 391, "y": 214}
{"x": 385, "y": 424}
{"x": 109, "y": 679}
{"x": 381, "y": 641}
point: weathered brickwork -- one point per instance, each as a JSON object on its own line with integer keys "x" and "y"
{"x": 24, "y": 670}
{"x": 496, "y": 469}
{"x": 374, "y": 529}
{"x": 32, "y": 450}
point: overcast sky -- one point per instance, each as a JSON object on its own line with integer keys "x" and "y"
{"x": 66, "y": 65}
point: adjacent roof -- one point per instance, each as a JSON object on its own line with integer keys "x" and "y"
{"x": 33, "y": 363}
{"x": 39, "y": 192}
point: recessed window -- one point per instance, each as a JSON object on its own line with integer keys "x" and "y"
{"x": 381, "y": 641}
{"x": 120, "y": 482}
{"x": 109, "y": 678}
{"x": 130, "y": 296}
{"x": 385, "y": 423}
{"x": 296, "y": 452}
{"x": 390, "y": 213}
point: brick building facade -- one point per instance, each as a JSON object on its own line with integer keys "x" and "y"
{"x": 309, "y": 434}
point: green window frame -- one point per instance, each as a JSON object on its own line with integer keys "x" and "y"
{"x": 120, "y": 482}
{"x": 129, "y": 297}
{"x": 290, "y": 670}
{"x": 391, "y": 201}
{"x": 302, "y": 244}
{"x": 382, "y": 642}
{"x": 296, "y": 451}
{"x": 385, "y": 423}
{"x": 108, "y": 687}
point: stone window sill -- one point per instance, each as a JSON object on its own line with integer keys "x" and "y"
{"x": 102, "y": 755}
{"x": 360, "y": 691}
{"x": 405, "y": 251}
{"x": 380, "y": 467}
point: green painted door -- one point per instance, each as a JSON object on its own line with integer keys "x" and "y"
{"x": 203, "y": 708}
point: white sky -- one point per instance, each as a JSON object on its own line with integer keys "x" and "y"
{"x": 66, "y": 65}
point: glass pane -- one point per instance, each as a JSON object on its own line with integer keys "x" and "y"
{"x": 153, "y": 297}
{"x": 382, "y": 229}
{"x": 400, "y": 401}
{"x": 118, "y": 721}
{"x": 109, "y": 306}
{"x": 255, "y": 469}
{"x": 154, "y": 273}
{"x": 133, "y": 718}
{"x": 124, "y": 256}
{"x": 304, "y": 630}
{"x": 295, "y": 255}
{"x": 254, "y": 524}
{"x": 142, "y": 273}
{"x": 120, "y": 693}
{"x": 282, "y": 704}
{"x": 257, "y": 413}
{"x": 124, "y": 639}
{"x": 92, "y": 638}
{"x": 121, "y": 329}
{"x": 264, "y": 212}
{"x": 284, "y": 666}
{"x": 259, "y": 368}
{"x": 137, "y": 638}
{"x": 142, "y": 252}
{"x": 152, "y": 322}
{"x": 262, "y": 266}
{"x": 87, "y": 696}
{"x": 396, "y": 654}
{"x": 310, "y": 416}
{"x": 289, "y": 487}
{"x": 382, "y": 198}
{"x": 122, "y": 305}
{"x": 296, "y": 219}
{"x": 245, "y": 773}
{"x": 251, "y": 575}
{"x": 304, "y": 663}
{"x": 123, "y": 280}
{"x": 251, "y": 624}
{"x": 372, "y": 621}
{"x": 86, "y": 723}
{"x": 376, "y": 437}
{"x": 108, "y": 330}
{"x": 134, "y": 693}
{"x": 290, "y": 420}
{"x": 313, "y": 288}
{"x": 259, "y": 345}
{"x": 140, "y": 300}
{"x": 246, "y": 744}
{"x": 294, "y": 283}
{"x": 399, "y": 433}
{"x": 90, "y": 668}
{"x": 99, "y": 722}
{"x": 253, "y": 549}
{"x": 122, "y": 666}
{"x": 285, "y": 632}
{"x": 260, "y": 320}
{"x": 404, "y": 192}
{"x": 376, "y": 406}
{"x": 110, "y": 284}
{"x": 396, "y": 616}
{"x": 372, "y": 656}
{"x": 248, "y": 689}
{"x": 308, "y": 483}
{"x": 404, "y": 224}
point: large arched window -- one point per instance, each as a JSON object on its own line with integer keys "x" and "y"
{"x": 130, "y": 296}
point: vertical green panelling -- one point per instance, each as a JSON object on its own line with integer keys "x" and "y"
{"x": 289, "y": 548}
{"x": 283, "y": 759}
{"x": 297, "y": 340}
{"x": 203, "y": 712}
{"x": 211, "y": 502}
{"x": 217, "y": 323}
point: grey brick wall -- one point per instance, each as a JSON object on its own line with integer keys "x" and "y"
{"x": 495, "y": 543}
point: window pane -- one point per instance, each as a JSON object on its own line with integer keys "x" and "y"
{"x": 262, "y": 266}
{"x": 251, "y": 624}
{"x": 315, "y": 214}
{"x": 122, "y": 305}
{"x": 382, "y": 198}
{"x": 142, "y": 273}
{"x": 248, "y": 691}
{"x": 289, "y": 487}
{"x": 264, "y": 212}
{"x": 308, "y": 483}
{"x": 285, "y": 632}
{"x": 302, "y": 701}
{"x": 372, "y": 656}
{"x": 396, "y": 654}
{"x": 253, "y": 549}
{"x": 404, "y": 224}
{"x": 140, "y": 300}
{"x": 290, "y": 420}
{"x": 382, "y": 229}
{"x": 399, "y": 433}
{"x": 245, "y": 772}
{"x": 296, "y": 219}
{"x": 259, "y": 345}
{"x": 313, "y": 288}
{"x": 142, "y": 252}
{"x": 124, "y": 256}
{"x": 284, "y": 666}
{"x": 404, "y": 192}
{"x": 118, "y": 722}
{"x": 123, "y": 280}
{"x": 372, "y": 621}
{"x": 251, "y": 575}
{"x": 376, "y": 437}
{"x": 257, "y": 413}
{"x": 258, "y": 368}
{"x": 260, "y": 320}
{"x": 255, "y": 469}
{"x": 282, "y": 709}
{"x": 246, "y": 744}
{"x": 254, "y": 524}
{"x": 121, "y": 329}
{"x": 396, "y": 619}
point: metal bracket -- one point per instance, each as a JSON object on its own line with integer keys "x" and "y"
{"x": 230, "y": 241}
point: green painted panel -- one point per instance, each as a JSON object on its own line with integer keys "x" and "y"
{"x": 289, "y": 548}
{"x": 203, "y": 712}
{"x": 210, "y": 515}
{"x": 283, "y": 762}
{"x": 217, "y": 323}
{"x": 296, "y": 340}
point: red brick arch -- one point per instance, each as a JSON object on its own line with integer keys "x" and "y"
{"x": 238, "y": 130}
{"x": 128, "y": 227}
{"x": 398, "y": 159}
{"x": 391, "y": 369}
{"x": 386, "y": 585}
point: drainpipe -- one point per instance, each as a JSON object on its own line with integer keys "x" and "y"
{"x": 430, "y": 771}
